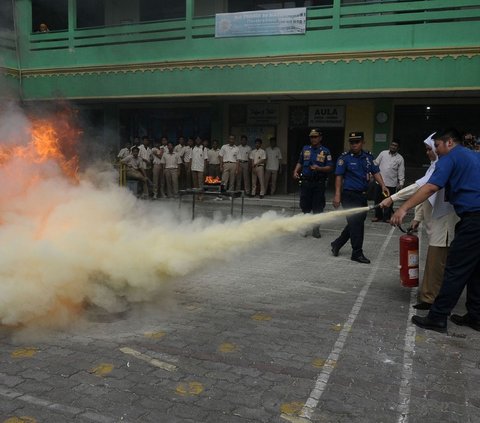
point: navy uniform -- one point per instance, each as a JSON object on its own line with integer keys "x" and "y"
{"x": 313, "y": 181}
{"x": 459, "y": 172}
{"x": 355, "y": 170}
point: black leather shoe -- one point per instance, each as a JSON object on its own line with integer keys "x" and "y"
{"x": 361, "y": 259}
{"x": 422, "y": 305}
{"x": 316, "y": 232}
{"x": 430, "y": 324}
{"x": 465, "y": 320}
{"x": 335, "y": 250}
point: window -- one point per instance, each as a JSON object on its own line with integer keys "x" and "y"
{"x": 53, "y": 13}
{"x": 154, "y": 10}
{"x": 6, "y": 16}
{"x": 90, "y": 13}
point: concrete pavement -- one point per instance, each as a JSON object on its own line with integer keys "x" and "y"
{"x": 282, "y": 332}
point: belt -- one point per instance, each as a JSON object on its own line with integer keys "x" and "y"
{"x": 260, "y": 165}
{"x": 470, "y": 214}
{"x": 356, "y": 192}
{"x": 229, "y": 162}
{"x": 243, "y": 161}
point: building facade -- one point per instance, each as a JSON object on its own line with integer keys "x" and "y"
{"x": 392, "y": 69}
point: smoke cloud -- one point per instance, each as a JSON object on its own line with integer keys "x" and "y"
{"x": 67, "y": 242}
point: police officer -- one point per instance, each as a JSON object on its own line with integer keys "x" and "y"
{"x": 458, "y": 170}
{"x": 315, "y": 163}
{"x": 351, "y": 184}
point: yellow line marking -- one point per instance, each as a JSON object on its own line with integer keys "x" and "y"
{"x": 24, "y": 352}
{"x": 189, "y": 389}
{"x": 291, "y": 408}
{"x": 102, "y": 370}
{"x": 318, "y": 362}
{"x": 261, "y": 317}
{"x": 153, "y": 361}
{"x": 227, "y": 347}
{"x": 23, "y": 419}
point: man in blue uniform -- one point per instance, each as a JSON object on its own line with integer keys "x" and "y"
{"x": 458, "y": 170}
{"x": 314, "y": 165}
{"x": 351, "y": 184}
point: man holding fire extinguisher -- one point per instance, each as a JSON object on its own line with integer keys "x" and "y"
{"x": 458, "y": 170}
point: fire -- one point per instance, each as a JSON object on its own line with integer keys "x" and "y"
{"x": 50, "y": 140}
{"x": 212, "y": 180}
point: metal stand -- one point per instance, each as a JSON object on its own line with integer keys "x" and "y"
{"x": 197, "y": 191}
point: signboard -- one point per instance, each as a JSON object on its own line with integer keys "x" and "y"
{"x": 262, "y": 22}
{"x": 262, "y": 114}
{"x": 326, "y": 116}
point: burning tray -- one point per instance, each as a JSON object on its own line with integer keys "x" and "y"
{"x": 213, "y": 185}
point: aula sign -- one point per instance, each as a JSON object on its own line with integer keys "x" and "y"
{"x": 326, "y": 116}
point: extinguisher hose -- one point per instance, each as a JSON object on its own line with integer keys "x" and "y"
{"x": 375, "y": 206}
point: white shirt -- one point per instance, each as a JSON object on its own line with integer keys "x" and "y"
{"x": 124, "y": 152}
{"x": 187, "y": 154}
{"x": 155, "y": 151}
{"x": 145, "y": 153}
{"x": 274, "y": 155}
{"x": 179, "y": 149}
{"x": 213, "y": 156}
{"x": 171, "y": 160}
{"x": 133, "y": 163}
{"x": 199, "y": 155}
{"x": 257, "y": 155}
{"x": 244, "y": 152}
{"x": 392, "y": 168}
{"x": 229, "y": 153}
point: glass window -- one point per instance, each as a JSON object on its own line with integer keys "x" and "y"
{"x": 90, "y": 13}
{"x": 53, "y": 14}
{"x": 154, "y": 10}
{"x": 6, "y": 16}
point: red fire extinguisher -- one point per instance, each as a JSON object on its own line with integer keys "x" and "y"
{"x": 409, "y": 260}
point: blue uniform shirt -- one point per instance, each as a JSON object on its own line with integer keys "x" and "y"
{"x": 459, "y": 172}
{"x": 355, "y": 170}
{"x": 319, "y": 156}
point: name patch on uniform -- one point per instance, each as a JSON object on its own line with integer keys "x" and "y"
{"x": 306, "y": 154}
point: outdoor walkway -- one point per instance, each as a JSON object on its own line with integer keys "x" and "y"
{"x": 283, "y": 328}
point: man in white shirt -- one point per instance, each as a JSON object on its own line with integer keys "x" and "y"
{"x": 199, "y": 163}
{"x": 392, "y": 169}
{"x": 258, "y": 159}
{"x": 243, "y": 165}
{"x": 187, "y": 160}
{"x": 158, "y": 176}
{"x": 135, "y": 169}
{"x": 214, "y": 160}
{"x": 170, "y": 163}
{"x": 124, "y": 152}
{"x": 229, "y": 163}
{"x": 272, "y": 168}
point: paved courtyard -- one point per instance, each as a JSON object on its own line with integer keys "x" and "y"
{"x": 281, "y": 332}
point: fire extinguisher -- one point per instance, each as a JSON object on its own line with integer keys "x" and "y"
{"x": 409, "y": 260}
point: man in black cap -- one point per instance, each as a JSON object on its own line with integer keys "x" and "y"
{"x": 315, "y": 163}
{"x": 351, "y": 184}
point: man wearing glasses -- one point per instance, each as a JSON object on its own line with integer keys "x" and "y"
{"x": 351, "y": 184}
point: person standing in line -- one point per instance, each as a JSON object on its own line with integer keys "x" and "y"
{"x": 272, "y": 168}
{"x": 135, "y": 169}
{"x": 214, "y": 160}
{"x": 439, "y": 218}
{"x": 199, "y": 164}
{"x": 258, "y": 159}
{"x": 180, "y": 150}
{"x": 351, "y": 185}
{"x": 157, "y": 153}
{"x": 170, "y": 162}
{"x": 243, "y": 165}
{"x": 145, "y": 153}
{"x": 312, "y": 169}
{"x": 187, "y": 160}
{"x": 392, "y": 169}
{"x": 458, "y": 171}
{"x": 229, "y": 163}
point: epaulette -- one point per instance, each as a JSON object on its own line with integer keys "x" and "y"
{"x": 345, "y": 153}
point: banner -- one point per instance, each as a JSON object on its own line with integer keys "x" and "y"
{"x": 326, "y": 116}
{"x": 264, "y": 22}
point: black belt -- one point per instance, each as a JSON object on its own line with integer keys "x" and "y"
{"x": 243, "y": 161}
{"x": 229, "y": 162}
{"x": 356, "y": 192}
{"x": 470, "y": 214}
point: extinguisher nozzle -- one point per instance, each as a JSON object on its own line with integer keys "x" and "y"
{"x": 375, "y": 206}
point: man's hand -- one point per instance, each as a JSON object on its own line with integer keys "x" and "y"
{"x": 414, "y": 225}
{"x": 296, "y": 175}
{"x": 398, "y": 217}
{"x": 336, "y": 201}
{"x": 385, "y": 191}
{"x": 385, "y": 204}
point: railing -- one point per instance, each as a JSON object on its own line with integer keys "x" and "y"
{"x": 347, "y": 16}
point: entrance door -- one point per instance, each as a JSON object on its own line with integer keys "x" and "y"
{"x": 333, "y": 139}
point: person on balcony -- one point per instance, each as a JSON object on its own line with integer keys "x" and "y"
{"x": 43, "y": 27}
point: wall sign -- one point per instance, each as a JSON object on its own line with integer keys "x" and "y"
{"x": 326, "y": 116}
{"x": 262, "y": 114}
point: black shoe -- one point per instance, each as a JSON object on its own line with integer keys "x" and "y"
{"x": 422, "y": 305}
{"x": 361, "y": 259}
{"x": 430, "y": 324}
{"x": 465, "y": 320}
{"x": 335, "y": 250}
{"x": 316, "y": 232}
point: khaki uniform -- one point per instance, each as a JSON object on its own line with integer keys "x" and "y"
{"x": 243, "y": 168}
{"x": 258, "y": 170}
{"x": 229, "y": 155}
{"x": 170, "y": 163}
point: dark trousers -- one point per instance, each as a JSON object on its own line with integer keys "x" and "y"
{"x": 383, "y": 214}
{"x": 462, "y": 268}
{"x": 312, "y": 196}
{"x": 354, "y": 230}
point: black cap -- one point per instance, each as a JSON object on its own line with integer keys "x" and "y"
{"x": 355, "y": 136}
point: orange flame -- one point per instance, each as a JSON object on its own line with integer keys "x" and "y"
{"x": 50, "y": 139}
{"x": 212, "y": 180}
